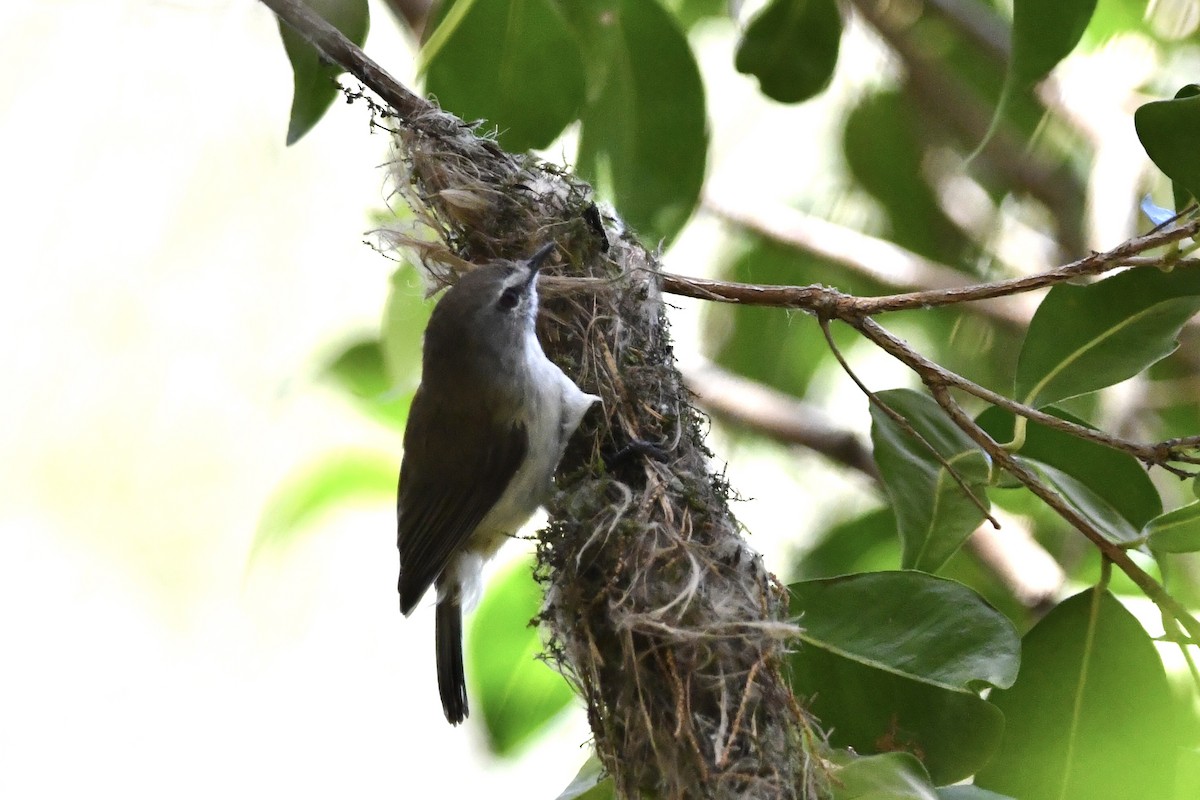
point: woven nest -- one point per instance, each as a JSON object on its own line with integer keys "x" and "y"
{"x": 656, "y": 610}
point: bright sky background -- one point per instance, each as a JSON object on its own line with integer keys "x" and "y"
{"x": 173, "y": 277}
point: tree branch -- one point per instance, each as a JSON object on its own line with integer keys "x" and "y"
{"x": 330, "y": 42}
{"x": 1158, "y": 454}
{"x": 1111, "y": 551}
{"x": 907, "y": 427}
{"x": 1013, "y": 556}
{"x": 874, "y": 258}
{"x": 830, "y": 302}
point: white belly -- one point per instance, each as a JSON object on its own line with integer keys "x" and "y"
{"x": 556, "y": 407}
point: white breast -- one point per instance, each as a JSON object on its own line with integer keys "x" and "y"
{"x": 554, "y": 409}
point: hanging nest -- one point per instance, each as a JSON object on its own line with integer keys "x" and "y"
{"x": 665, "y": 621}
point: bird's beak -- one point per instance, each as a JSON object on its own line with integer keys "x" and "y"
{"x": 540, "y": 256}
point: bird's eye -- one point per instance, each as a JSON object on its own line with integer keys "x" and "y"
{"x": 509, "y": 298}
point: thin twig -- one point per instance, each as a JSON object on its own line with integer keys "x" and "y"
{"x": 877, "y": 259}
{"x": 1013, "y": 556}
{"x": 1159, "y": 454}
{"x": 825, "y": 301}
{"x": 1110, "y": 550}
{"x": 907, "y": 427}
{"x": 343, "y": 52}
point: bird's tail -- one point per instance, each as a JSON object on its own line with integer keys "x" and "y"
{"x": 452, "y": 683}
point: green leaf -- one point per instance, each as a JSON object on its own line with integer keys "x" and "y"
{"x": 313, "y": 78}
{"x": 1118, "y": 477}
{"x": 1170, "y": 133}
{"x": 590, "y": 783}
{"x": 689, "y": 12}
{"x": 1113, "y": 18}
{"x": 518, "y": 694}
{"x": 334, "y": 480}
{"x": 1083, "y": 338}
{"x": 359, "y": 371}
{"x": 644, "y": 140}
{"x": 889, "y": 661}
{"x": 1095, "y": 507}
{"x": 1176, "y": 531}
{"x": 933, "y": 513}
{"x": 890, "y": 776}
{"x": 1043, "y": 33}
{"x": 929, "y": 629}
{"x": 866, "y": 543}
{"x": 791, "y": 46}
{"x": 871, "y": 711}
{"x": 1091, "y": 713}
{"x": 516, "y": 64}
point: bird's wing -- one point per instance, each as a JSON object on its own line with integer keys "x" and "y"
{"x": 445, "y": 494}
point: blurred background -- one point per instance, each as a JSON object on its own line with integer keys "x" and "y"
{"x": 177, "y": 282}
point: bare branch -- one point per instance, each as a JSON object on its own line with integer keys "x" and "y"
{"x": 877, "y": 259}
{"x": 834, "y": 304}
{"x": 1111, "y": 551}
{"x": 1013, "y": 556}
{"x": 1160, "y": 454}
{"x": 907, "y": 427}
{"x": 343, "y": 52}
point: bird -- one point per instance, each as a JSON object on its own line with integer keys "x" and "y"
{"x": 488, "y": 425}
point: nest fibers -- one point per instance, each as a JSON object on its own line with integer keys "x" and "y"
{"x": 656, "y": 610}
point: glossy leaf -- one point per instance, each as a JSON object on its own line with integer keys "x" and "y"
{"x": 953, "y": 733}
{"x": 1097, "y": 508}
{"x": 889, "y": 776}
{"x": 1083, "y": 338}
{"x": 359, "y": 371}
{"x": 791, "y": 46}
{"x": 517, "y": 694}
{"x": 1170, "y": 132}
{"x": 590, "y": 783}
{"x": 1176, "y": 531}
{"x": 1091, "y": 710}
{"x": 516, "y": 64}
{"x": 1043, "y": 33}
{"x": 335, "y": 480}
{"x": 644, "y": 139}
{"x": 889, "y": 661}
{"x": 1117, "y": 477}
{"x": 313, "y": 78}
{"x": 929, "y": 629}
{"x": 933, "y": 513}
